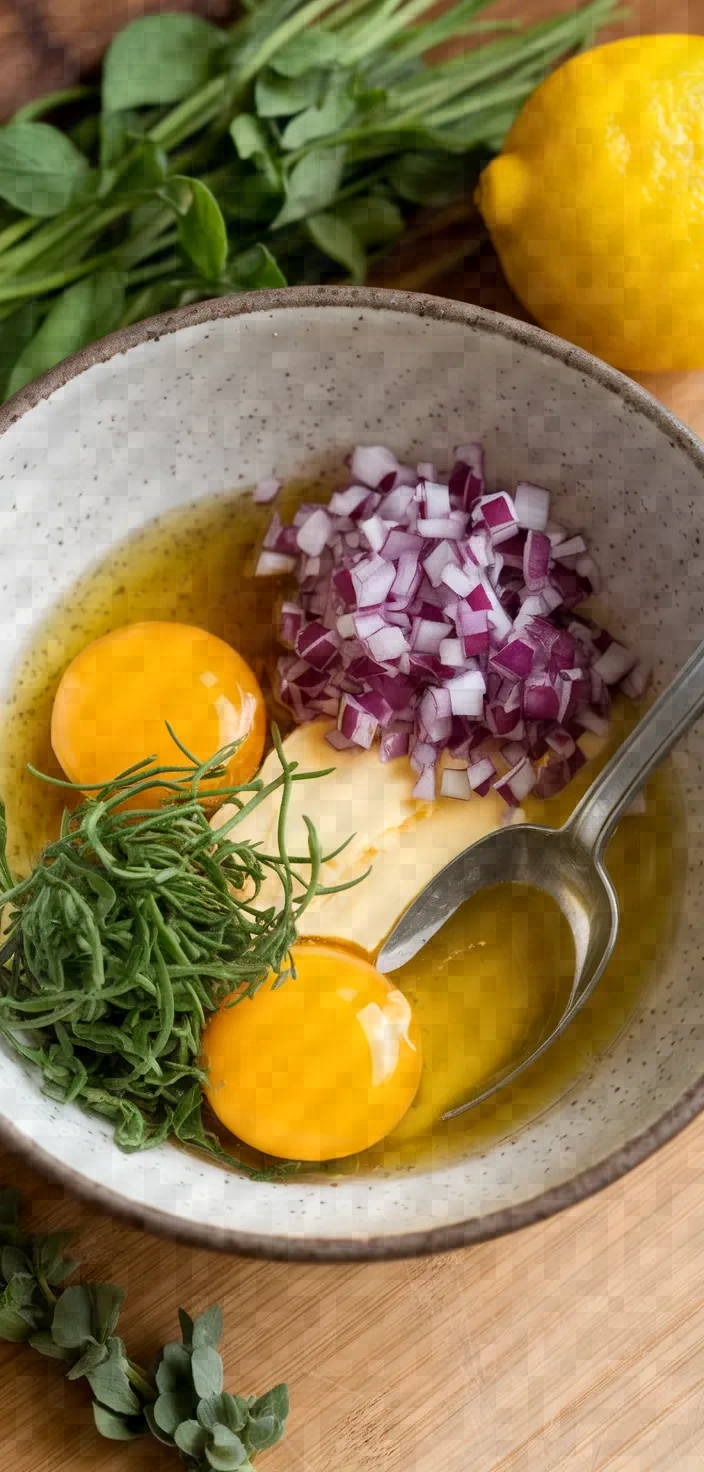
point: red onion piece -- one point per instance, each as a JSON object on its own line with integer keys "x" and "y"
{"x": 266, "y": 491}
{"x": 426, "y": 633}
{"x": 532, "y": 505}
{"x": 455, "y": 783}
{"x": 424, "y": 789}
{"x": 273, "y": 565}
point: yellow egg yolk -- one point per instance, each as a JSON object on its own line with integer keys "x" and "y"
{"x": 321, "y": 1067}
{"x": 116, "y": 696}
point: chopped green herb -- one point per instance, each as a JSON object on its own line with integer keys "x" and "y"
{"x": 131, "y": 929}
{"x": 206, "y": 147}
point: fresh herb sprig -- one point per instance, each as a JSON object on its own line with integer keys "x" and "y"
{"x": 180, "y": 1400}
{"x": 211, "y": 160}
{"x": 131, "y": 929}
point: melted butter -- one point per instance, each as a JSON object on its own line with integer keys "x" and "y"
{"x": 500, "y": 970}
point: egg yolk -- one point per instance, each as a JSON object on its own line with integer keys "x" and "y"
{"x": 116, "y": 696}
{"x": 323, "y": 1066}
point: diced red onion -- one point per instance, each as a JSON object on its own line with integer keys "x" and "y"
{"x": 499, "y": 515}
{"x": 429, "y": 634}
{"x": 513, "y": 752}
{"x": 372, "y": 579}
{"x": 590, "y": 721}
{"x": 435, "y": 499}
{"x": 424, "y": 789}
{"x": 517, "y": 783}
{"x": 437, "y": 527}
{"x": 532, "y": 505}
{"x": 266, "y": 491}
{"x": 466, "y": 693}
{"x": 315, "y": 532}
{"x": 455, "y": 783}
{"x": 273, "y": 565}
{"x": 372, "y": 463}
{"x": 481, "y": 774}
{"x": 536, "y": 561}
{"x": 357, "y": 724}
{"x": 560, "y": 741}
{"x": 387, "y": 644}
{"x": 393, "y": 743}
{"x": 614, "y": 663}
{"x": 442, "y": 557}
{"x": 571, "y": 547}
{"x": 637, "y": 680}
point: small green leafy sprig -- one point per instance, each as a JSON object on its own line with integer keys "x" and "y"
{"x": 181, "y": 1400}
{"x": 283, "y": 148}
{"x": 131, "y": 929}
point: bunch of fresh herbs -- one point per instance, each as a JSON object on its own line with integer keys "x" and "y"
{"x": 131, "y": 929}
{"x": 281, "y": 149}
{"x": 180, "y": 1399}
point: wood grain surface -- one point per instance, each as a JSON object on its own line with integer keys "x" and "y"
{"x": 577, "y": 1345}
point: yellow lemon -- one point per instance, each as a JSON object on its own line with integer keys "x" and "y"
{"x": 596, "y": 204}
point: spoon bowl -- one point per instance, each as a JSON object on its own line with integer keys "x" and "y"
{"x": 566, "y": 863}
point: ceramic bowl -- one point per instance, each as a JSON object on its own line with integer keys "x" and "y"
{"x": 215, "y": 396}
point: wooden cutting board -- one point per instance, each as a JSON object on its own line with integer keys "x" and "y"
{"x": 575, "y": 1346}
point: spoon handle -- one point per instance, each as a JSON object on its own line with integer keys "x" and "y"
{"x": 668, "y": 720}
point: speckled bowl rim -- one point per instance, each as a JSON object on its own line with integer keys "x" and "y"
{"x": 547, "y": 1203}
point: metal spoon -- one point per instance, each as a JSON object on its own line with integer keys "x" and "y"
{"x": 565, "y": 862}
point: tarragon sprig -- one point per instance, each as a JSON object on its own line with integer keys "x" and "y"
{"x": 132, "y": 928}
{"x": 180, "y": 1399}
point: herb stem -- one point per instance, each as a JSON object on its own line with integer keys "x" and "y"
{"x": 141, "y": 1382}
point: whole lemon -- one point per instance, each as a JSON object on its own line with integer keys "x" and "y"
{"x": 596, "y": 204}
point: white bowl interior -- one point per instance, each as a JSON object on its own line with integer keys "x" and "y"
{"x": 218, "y": 405}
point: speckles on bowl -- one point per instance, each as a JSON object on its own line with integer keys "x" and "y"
{"x": 219, "y": 395}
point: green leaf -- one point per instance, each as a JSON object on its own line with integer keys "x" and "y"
{"x": 158, "y": 59}
{"x": 263, "y": 1432}
{"x": 147, "y": 170}
{"x": 275, "y": 97}
{"x": 432, "y": 179}
{"x": 255, "y": 270}
{"x": 44, "y": 1344}
{"x": 191, "y": 1438}
{"x": 84, "y": 311}
{"x": 15, "y": 1326}
{"x": 207, "y": 1328}
{"x": 12, "y": 1261}
{"x": 40, "y": 169}
{"x": 319, "y": 122}
{"x": 171, "y": 1409}
{"x": 186, "y": 1324}
{"x": 376, "y": 219}
{"x": 174, "y": 1369}
{"x": 90, "y": 1359}
{"x": 108, "y": 1299}
{"x": 251, "y": 142}
{"x": 312, "y": 185}
{"x": 336, "y": 238}
{"x": 274, "y": 1402}
{"x": 156, "y": 1431}
{"x": 226, "y": 1452}
{"x": 72, "y": 1324}
{"x": 110, "y": 1384}
{"x": 226, "y": 1410}
{"x": 48, "y": 1257}
{"x": 201, "y": 228}
{"x": 206, "y": 1368}
{"x": 115, "y": 1427}
{"x": 267, "y": 1419}
{"x": 310, "y": 49}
